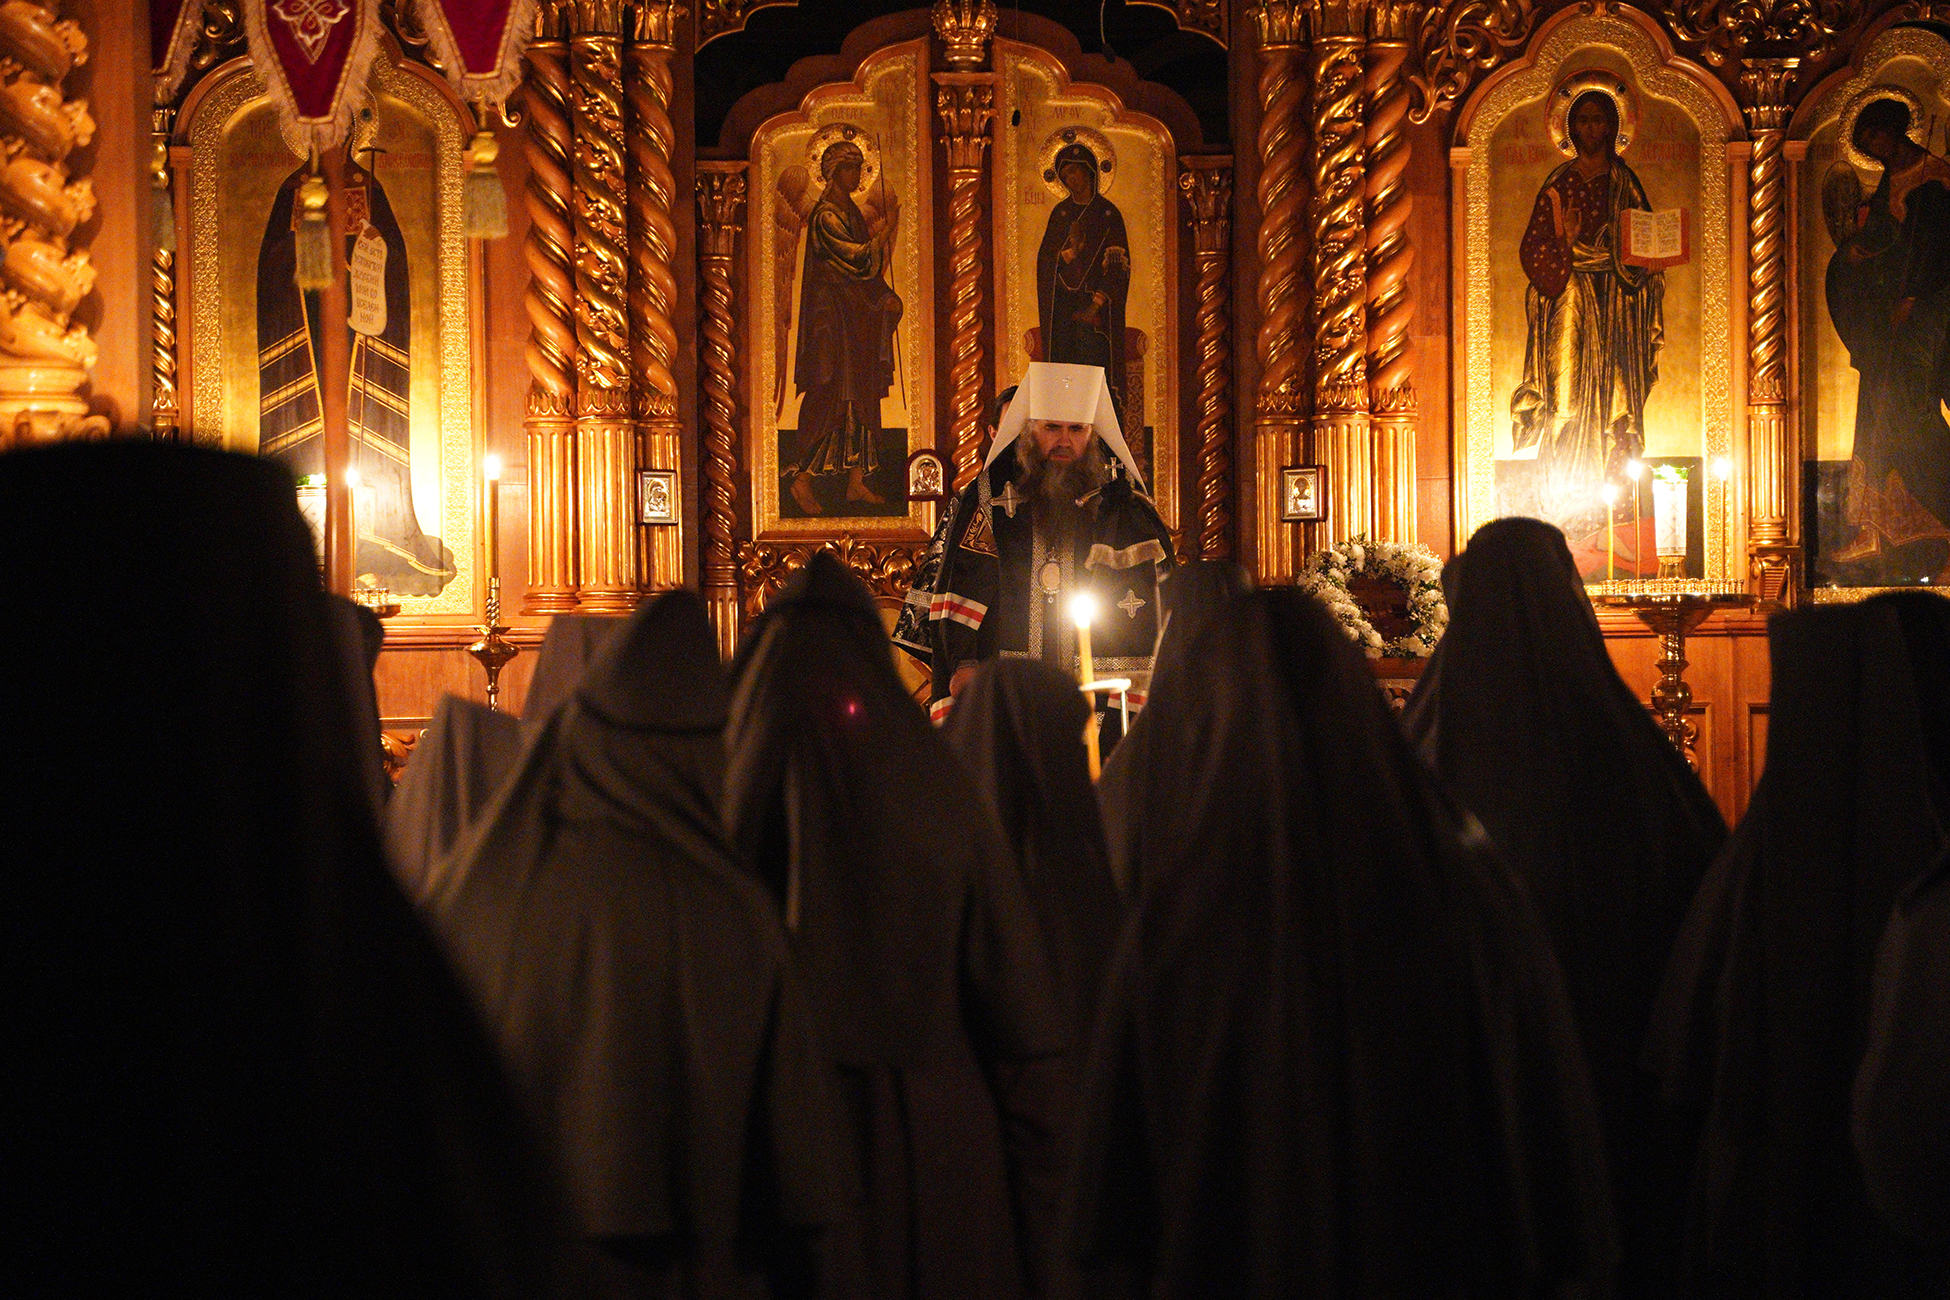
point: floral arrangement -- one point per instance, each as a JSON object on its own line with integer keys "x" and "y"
{"x": 1413, "y": 568}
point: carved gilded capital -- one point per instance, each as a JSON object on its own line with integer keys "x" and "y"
{"x": 597, "y": 17}
{"x": 1329, "y": 20}
{"x": 720, "y": 211}
{"x": 966, "y": 102}
{"x": 1393, "y": 21}
{"x": 965, "y": 28}
{"x": 1280, "y": 24}
{"x": 655, "y": 22}
{"x": 1207, "y": 187}
{"x": 1767, "y": 83}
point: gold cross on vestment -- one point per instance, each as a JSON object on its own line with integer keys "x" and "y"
{"x": 1010, "y": 499}
{"x": 1131, "y": 603}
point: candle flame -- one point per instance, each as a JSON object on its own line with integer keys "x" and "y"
{"x": 1083, "y": 609}
{"x": 1634, "y": 468}
{"x": 1610, "y": 493}
{"x": 1723, "y": 467}
{"x": 491, "y": 468}
{"x": 352, "y": 476}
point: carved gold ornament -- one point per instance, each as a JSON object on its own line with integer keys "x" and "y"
{"x": 1728, "y": 29}
{"x": 1455, "y": 44}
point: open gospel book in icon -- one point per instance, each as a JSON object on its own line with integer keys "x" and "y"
{"x": 1656, "y": 240}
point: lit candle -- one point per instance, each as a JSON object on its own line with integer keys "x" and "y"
{"x": 1083, "y": 609}
{"x": 1610, "y": 494}
{"x": 352, "y": 520}
{"x": 491, "y": 472}
{"x": 1635, "y": 470}
{"x": 1723, "y": 470}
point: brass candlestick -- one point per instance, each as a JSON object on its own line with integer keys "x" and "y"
{"x": 1672, "y": 616}
{"x": 493, "y": 649}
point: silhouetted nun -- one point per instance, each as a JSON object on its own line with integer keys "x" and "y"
{"x": 1335, "y": 1058}
{"x": 1191, "y": 594}
{"x": 636, "y": 980}
{"x": 239, "y": 1065}
{"x": 1530, "y": 726}
{"x": 1018, "y": 730}
{"x": 1902, "y": 1091}
{"x": 917, "y": 942}
{"x": 1763, "y": 1017}
{"x": 572, "y": 643}
{"x": 457, "y": 765}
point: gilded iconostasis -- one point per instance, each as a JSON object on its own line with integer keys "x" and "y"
{"x": 640, "y": 295}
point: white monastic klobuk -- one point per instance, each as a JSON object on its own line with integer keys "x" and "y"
{"x": 1069, "y": 395}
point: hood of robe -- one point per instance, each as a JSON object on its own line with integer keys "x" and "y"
{"x": 1333, "y": 1010}
{"x": 1018, "y": 730}
{"x": 634, "y": 978}
{"x": 571, "y": 644}
{"x": 833, "y": 767}
{"x": 198, "y": 904}
{"x": 1764, "y": 1014}
{"x": 458, "y": 763}
{"x": 1191, "y": 594}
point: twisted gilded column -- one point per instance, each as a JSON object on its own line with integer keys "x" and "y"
{"x": 45, "y": 356}
{"x": 165, "y": 402}
{"x": 1340, "y": 423}
{"x": 1207, "y": 186}
{"x": 551, "y": 353}
{"x": 1774, "y": 556}
{"x": 653, "y": 277}
{"x": 720, "y": 219}
{"x": 605, "y": 434}
{"x": 1281, "y": 401}
{"x": 1390, "y": 310}
{"x": 966, "y": 101}
{"x": 965, "y": 98}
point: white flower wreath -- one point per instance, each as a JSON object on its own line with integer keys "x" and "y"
{"x": 1413, "y": 568}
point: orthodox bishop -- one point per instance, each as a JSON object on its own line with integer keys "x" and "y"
{"x": 1058, "y": 510}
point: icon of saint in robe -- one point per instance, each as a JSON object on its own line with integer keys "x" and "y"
{"x": 1888, "y": 293}
{"x": 1594, "y": 328}
{"x": 845, "y": 359}
{"x": 391, "y": 550}
{"x": 1083, "y": 273}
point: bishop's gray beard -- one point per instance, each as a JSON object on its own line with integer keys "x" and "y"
{"x": 1056, "y": 487}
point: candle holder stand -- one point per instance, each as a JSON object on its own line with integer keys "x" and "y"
{"x": 493, "y": 650}
{"x": 1673, "y": 616}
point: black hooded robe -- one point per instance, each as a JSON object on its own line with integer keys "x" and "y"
{"x": 1335, "y": 1058}
{"x": 637, "y": 982}
{"x": 927, "y": 972}
{"x": 1525, "y": 719}
{"x": 457, "y": 765}
{"x": 1762, "y": 1020}
{"x": 237, "y": 1064}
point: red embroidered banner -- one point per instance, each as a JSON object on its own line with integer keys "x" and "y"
{"x": 480, "y": 43}
{"x": 314, "y": 56}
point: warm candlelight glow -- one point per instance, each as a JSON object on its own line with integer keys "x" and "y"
{"x": 1083, "y": 609}
{"x": 1634, "y": 468}
{"x": 1610, "y": 493}
{"x": 352, "y": 476}
{"x": 491, "y": 468}
{"x": 1723, "y": 467}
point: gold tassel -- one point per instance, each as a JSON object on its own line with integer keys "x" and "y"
{"x": 162, "y": 200}
{"x": 485, "y": 201}
{"x": 314, "y": 237}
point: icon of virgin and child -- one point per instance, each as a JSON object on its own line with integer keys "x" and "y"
{"x": 1595, "y": 324}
